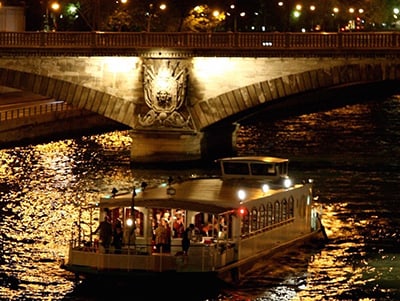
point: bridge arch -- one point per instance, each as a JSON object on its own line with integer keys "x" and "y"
{"x": 232, "y": 105}
{"x": 77, "y": 95}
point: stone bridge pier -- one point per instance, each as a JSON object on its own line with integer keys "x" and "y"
{"x": 167, "y": 128}
{"x": 179, "y": 145}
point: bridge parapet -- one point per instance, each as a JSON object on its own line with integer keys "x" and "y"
{"x": 184, "y": 43}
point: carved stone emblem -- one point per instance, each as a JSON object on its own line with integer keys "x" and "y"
{"x": 164, "y": 85}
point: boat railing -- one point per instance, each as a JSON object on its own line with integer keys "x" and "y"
{"x": 268, "y": 228}
{"x": 86, "y": 245}
{"x": 202, "y": 257}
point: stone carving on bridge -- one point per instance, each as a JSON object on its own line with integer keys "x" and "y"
{"x": 165, "y": 84}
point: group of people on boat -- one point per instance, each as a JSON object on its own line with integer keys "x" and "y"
{"x": 165, "y": 227}
{"x": 163, "y": 233}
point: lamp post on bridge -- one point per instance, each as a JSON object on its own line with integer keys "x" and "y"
{"x": 51, "y": 9}
{"x": 152, "y": 13}
{"x": 234, "y": 13}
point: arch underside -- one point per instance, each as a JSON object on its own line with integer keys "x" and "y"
{"x": 236, "y": 104}
{"x": 77, "y": 95}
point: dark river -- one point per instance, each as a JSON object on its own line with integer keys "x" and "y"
{"x": 352, "y": 153}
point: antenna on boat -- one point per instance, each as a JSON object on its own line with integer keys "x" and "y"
{"x": 133, "y": 233}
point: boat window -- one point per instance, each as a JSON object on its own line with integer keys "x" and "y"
{"x": 139, "y": 221}
{"x": 277, "y": 212}
{"x": 178, "y": 223}
{"x": 245, "y": 225}
{"x": 284, "y": 209}
{"x": 263, "y": 217}
{"x": 224, "y": 226}
{"x": 235, "y": 168}
{"x": 262, "y": 169}
{"x": 291, "y": 207}
{"x": 254, "y": 219}
{"x": 282, "y": 168}
{"x": 139, "y": 216}
{"x": 270, "y": 215}
{"x": 207, "y": 225}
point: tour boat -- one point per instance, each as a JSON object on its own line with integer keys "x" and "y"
{"x": 251, "y": 210}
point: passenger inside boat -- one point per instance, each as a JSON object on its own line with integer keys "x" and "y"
{"x": 139, "y": 228}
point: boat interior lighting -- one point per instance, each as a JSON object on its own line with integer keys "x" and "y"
{"x": 129, "y": 222}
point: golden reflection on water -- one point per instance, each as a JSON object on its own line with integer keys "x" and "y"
{"x": 42, "y": 187}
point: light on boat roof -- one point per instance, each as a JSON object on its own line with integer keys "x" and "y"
{"x": 241, "y": 195}
{"x": 265, "y": 188}
{"x": 287, "y": 183}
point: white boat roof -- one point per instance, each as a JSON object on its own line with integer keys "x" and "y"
{"x": 213, "y": 195}
{"x": 207, "y": 195}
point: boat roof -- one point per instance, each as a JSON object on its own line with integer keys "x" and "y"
{"x": 211, "y": 195}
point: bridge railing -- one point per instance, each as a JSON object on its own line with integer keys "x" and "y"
{"x": 189, "y": 40}
{"x": 26, "y": 112}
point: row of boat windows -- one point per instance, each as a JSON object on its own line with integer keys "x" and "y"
{"x": 176, "y": 220}
{"x": 267, "y": 215}
{"x": 256, "y": 169}
{"x": 257, "y": 218}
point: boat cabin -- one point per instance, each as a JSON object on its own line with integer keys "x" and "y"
{"x": 265, "y": 168}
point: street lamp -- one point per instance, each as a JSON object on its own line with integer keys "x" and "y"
{"x": 234, "y": 13}
{"x": 54, "y": 6}
{"x": 312, "y": 9}
{"x": 335, "y": 12}
{"x": 151, "y": 13}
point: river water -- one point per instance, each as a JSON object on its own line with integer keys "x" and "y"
{"x": 352, "y": 153}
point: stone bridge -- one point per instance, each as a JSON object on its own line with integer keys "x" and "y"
{"x": 187, "y": 105}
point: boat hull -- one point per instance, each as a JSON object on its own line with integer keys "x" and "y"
{"x": 230, "y": 273}
{"x": 234, "y": 273}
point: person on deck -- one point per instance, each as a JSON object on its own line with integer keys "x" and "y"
{"x": 186, "y": 238}
{"x": 161, "y": 237}
{"x": 105, "y": 232}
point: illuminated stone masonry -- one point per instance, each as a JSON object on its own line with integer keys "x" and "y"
{"x": 164, "y": 89}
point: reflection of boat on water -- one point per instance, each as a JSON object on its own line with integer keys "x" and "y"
{"x": 251, "y": 211}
